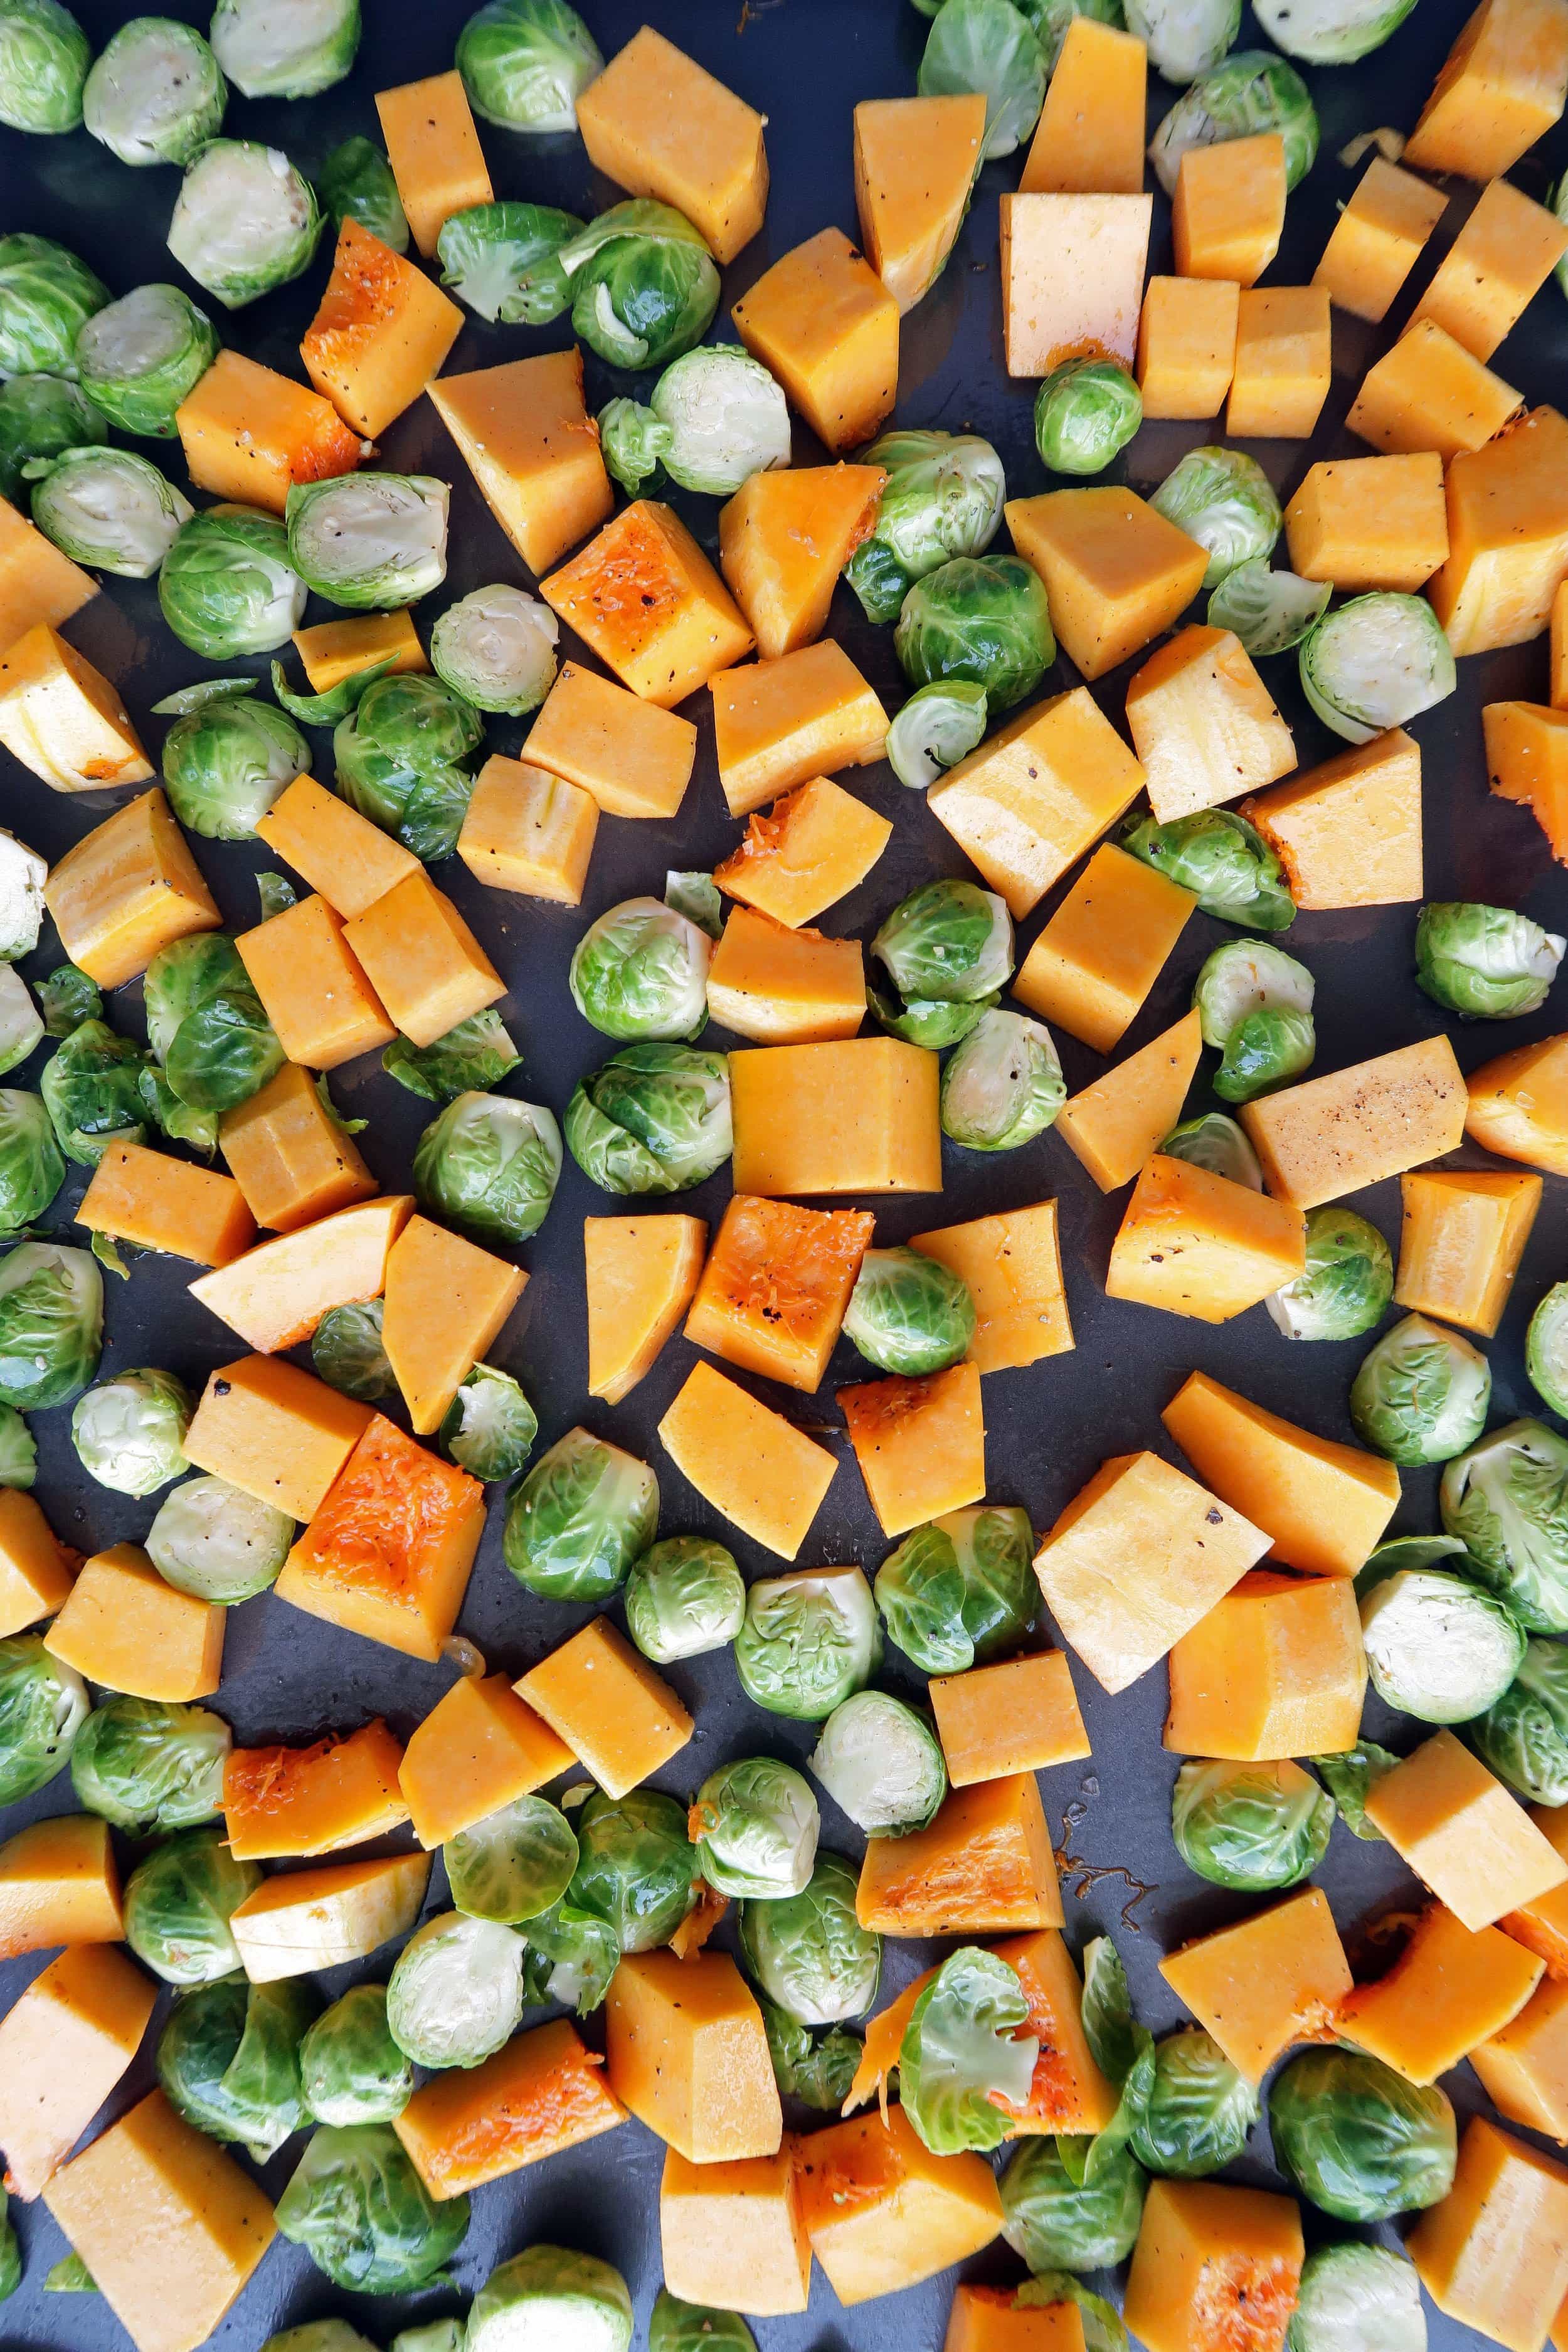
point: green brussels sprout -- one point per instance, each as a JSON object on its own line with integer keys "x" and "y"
{"x": 398, "y": 761}
{"x": 1267, "y": 611}
{"x": 362, "y": 2214}
{"x": 32, "y": 1165}
{"x": 696, "y": 896}
{"x": 1439, "y": 1649}
{"x": 1199, "y": 2111}
{"x": 68, "y": 998}
{"x": 1250, "y": 1826}
{"x": 1057, "y": 2219}
{"x": 91, "y": 1089}
{"x": 22, "y": 877}
{"x": 1545, "y": 1347}
{"x": 490, "y": 1425}
{"x": 44, "y": 1706}
{"x": 653, "y": 1118}
{"x": 348, "y": 1352}
{"x": 1350, "y": 1779}
{"x": 881, "y": 1763}
{"x": 948, "y": 942}
{"x": 808, "y": 1642}
{"x": 271, "y": 52}
{"x": 983, "y": 617}
{"x": 356, "y": 183}
{"x": 351, "y": 2069}
{"x": 525, "y": 64}
{"x": 225, "y": 586}
{"x": 455, "y": 1990}
{"x": 1485, "y": 962}
{"x": 641, "y": 971}
{"x": 139, "y": 357}
{"x": 1086, "y": 411}
{"x": 1357, "y": 2298}
{"x": 1357, "y": 2139}
{"x": 178, "y": 1901}
{"x": 1049, "y": 20}
{"x": 1101, "y": 2322}
{"x": 964, "y": 2062}
{"x": 154, "y": 94}
{"x": 513, "y": 1864}
{"x": 496, "y": 647}
{"x": 370, "y": 541}
{"x": 636, "y": 1868}
{"x": 245, "y": 222}
{"x": 986, "y": 45}
{"x": 640, "y": 280}
{"x": 217, "y": 1542}
{"x": 1333, "y": 32}
{"x": 40, "y": 417}
{"x": 926, "y": 1023}
{"x": 755, "y": 1824}
{"x": 1223, "y": 860}
{"x": 18, "y": 1456}
{"x": 46, "y": 296}
{"x": 549, "y": 2297}
{"x": 1185, "y": 38}
{"x": 206, "y": 1023}
{"x": 490, "y": 1163}
{"x": 908, "y": 1313}
{"x": 1216, "y": 1142}
{"x": 228, "y": 2061}
{"x": 684, "y": 1597}
{"x": 583, "y": 1513}
{"x": 44, "y": 58}
{"x": 10, "y": 2251}
{"x": 818, "y": 2069}
{"x": 961, "y": 1589}
{"x": 943, "y": 498}
{"x": 129, "y": 1432}
{"x": 938, "y": 726}
{"x": 502, "y": 260}
{"x": 1003, "y": 1085}
{"x": 1255, "y": 1003}
{"x": 809, "y": 1952}
{"x": 1374, "y": 662}
{"x": 1346, "y": 1284}
{"x": 21, "y": 1024}
{"x": 475, "y": 1056}
{"x": 1506, "y": 1499}
{"x": 51, "y": 1324}
{"x": 714, "y": 418}
{"x": 1224, "y": 500}
{"x": 110, "y": 509}
{"x": 1524, "y": 1734}
{"x": 224, "y": 764}
{"x": 1421, "y": 1394}
{"x": 677, "y": 2326}
{"x": 1247, "y": 92}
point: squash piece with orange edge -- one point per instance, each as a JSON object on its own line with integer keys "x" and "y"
{"x": 1459, "y": 1247}
{"x": 883, "y": 2212}
{"x": 540, "y": 2094}
{"x": 1216, "y": 2269}
{"x": 58, "y": 1885}
{"x": 1276, "y": 1978}
{"x": 1517, "y": 1104}
{"x": 644, "y": 598}
{"x": 689, "y": 2056}
{"x": 1493, "y": 2254}
{"x": 773, "y": 1294}
{"x": 478, "y": 1749}
{"x": 1194, "y": 1242}
{"x": 278, "y": 1292}
{"x": 249, "y": 434}
{"x": 1324, "y": 1503}
{"x": 996, "y": 2319}
{"x": 810, "y": 849}
{"x": 784, "y": 538}
{"x": 282, "y": 1801}
{"x": 1275, "y": 1669}
{"x": 983, "y": 1867}
{"x": 1527, "y": 749}
{"x": 1450, "y": 1989}
{"x": 921, "y": 1444}
{"x": 381, "y": 331}
{"x": 36, "y": 1571}
{"x": 641, "y": 1274}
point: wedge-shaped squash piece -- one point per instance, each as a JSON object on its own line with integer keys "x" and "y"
{"x": 275, "y": 1294}
{"x": 1072, "y": 279}
{"x": 1067, "y": 2092}
{"x": 447, "y": 1300}
{"x": 777, "y": 723}
{"x": 822, "y": 319}
{"x": 300, "y": 1921}
{"x": 687, "y": 2053}
{"x": 1504, "y": 254}
{"x": 1271, "y": 1980}
{"x": 313, "y": 987}
{"x": 58, "y": 1885}
{"x": 349, "y": 861}
{"x": 1370, "y": 522}
{"x": 249, "y": 434}
{"x": 479, "y": 1748}
{"x": 787, "y": 534}
{"x": 858, "y": 1115}
{"x": 540, "y": 2094}
{"x": 641, "y": 1274}
{"x": 1429, "y": 393}
{"x": 281, "y": 1800}
{"x": 381, "y": 331}
{"x": 748, "y": 1461}
{"x": 633, "y": 758}
{"x": 1325, "y": 1504}
{"x": 62, "y": 718}
{"x": 1276, "y": 1670}
{"x": 921, "y": 1444}
{"x": 1507, "y": 536}
{"x": 1114, "y": 1124}
{"x": 773, "y": 1294}
{"x": 422, "y": 961}
{"x": 1138, "y": 1557}
{"x": 435, "y": 153}
{"x": 656, "y": 124}
{"x": 1494, "y": 2253}
{"x": 1116, "y": 573}
{"x": 168, "y": 2226}
{"x": 288, "y": 1156}
{"x": 1523, "y": 2066}
{"x": 1186, "y": 345}
{"x": 1502, "y": 86}
{"x": 983, "y": 1867}
{"x": 524, "y": 433}
{"x": 1204, "y": 724}
{"x": 163, "y": 1203}
{"x": 277, "y": 1432}
{"x": 1038, "y": 794}
{"x": 335, "y": 650}
{"x": 1195, "y": 1244}
{"x": 126, "y": 889}
{"x": 706, "y": 2210}
{"x": 36, "y": 1575}
{"x": 1450, "y": 1988}
{"x": 1282, "y": 363}
{"x": 1013, "y": 1265}
{"x": 1330, "y": 1136}
{"x": 994, "y": 2319}
{"x": 644, "y": 598}
{"x": 883, "y": 2212}
{"x": 1453, "y": 1824}
{"x": 1213, "y": 2265}
{"x": 64, "y": 2044}
{"x": 1463, "y": 1236}
{"x": 1349, "y": 833}
{"x": 1527, "y": 754}
{"x": 915, "y": 165}
{"x": 1519, "y": 1104}
{"x": 784, "y": 986}
{"x": 1091, "y": 968}
{"x": 528, "y": 831}
{"x": 1228, "y": 210}
{"x": 1021, "y": 1715}
{"x": 123, "y": 1626}
{"x": 1542, "y": 1925}
{"x": 809, "y": 850}
{"x": 388, "y": 1552}
{"x": 1089, "y": 138}
{"x": 38, "y": 583}
{"x": 1377, "y": 239}
{"x": 608, "y": 1707}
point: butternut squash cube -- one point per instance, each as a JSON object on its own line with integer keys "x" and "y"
{"x": 1463, "y": 1236}
{"x": 1330, "y": 1136}
{"x": 785, "y": 987}
{"x": 658, "y": 125}
{"x": 707, "y": 2210}
{"x": 65, "y": 2043}
{"x": 858, "y": 1115}
{"x": 447, "y": 1300}
{"x": 748, "y": 1461}
{"x": 788, "y": 532}
{"x": 1282, "y": 363}
{"x": 1370, "y": 522}
{"x": 1228, "y": 210}
{"x": 1429, "y": 393}
{"x": 1519, "y": 1104}
{"x": 1116, "y": 573}
{"x": 123, "y": 1626}
{"x": 1502, "y": 86}
{"x": 644, "y": 598}
{"x": 1507, "y": 536}
{"x": 275, "y": 1294}
{"x": 540, "y": 2094}
{"x": 883, "y": 2212}
{"x": 1072, "y": 279}
{"x": 1504, "y": 254}
{"x": 1186, "y": 345}
{"x": 167, "y": 2224}
{"x": 1195, "y": 1244}
{"x": 159, "y": 1203}
{"x": 528, "y": 831}
{"x": 126, "y": 889}
{"x": 36, "y": 1575}
{"x": 388, "y": 1554}
{"x": 1523, "y": 2066}
{"x": 773, "y": 1294}
{"x": 1542, "y": 1925}
{"x": 1136, "y": 1558}
{"x": 809, "y": 850}
{"x": 61, "y": 718}
{"x": 38, "y": 583}
{"x": 350, "y": 862}
{"x": 275, "y": 1432}
{"x": 313, "y": 988}
{"x": 642, "y": 1273}
{"x": 1325, "y": 1504}
{"x": 422, "y": 960}
{"x": 525, "y": 435}
{"x": 381, "y": 331}
{"x": 335, "y": 650}
{"x": 1038, "y": 794}
{"x": 1453, "y": 1824}
{"x": 300, "y": 1921}
{"x": 1527, "y": 755}
{"x": 1068, "y": 2092}
{"x": 983, "y": 1866}
{"x": 287, "y": 1801}
{"x": 249, "y": 434}
{"x": 1494, "y": 2253}
{"x": 1212, "y": 2263}
{"x": 1012, "y": 1263}
{"x": 606, "y": 1704}
{"x": 435, "y": 153}
{"x": 1377, "y": 239}
{"x": 1021, "y": 1715}
{"x": 1091, "y": 968}
{"x": 777, "y": 723}
{"x": 291, "y": 1160}
{"x": 58, "y": 1885}
{"x": 687, "y": 2053}
{"x": 915, "y": 165}
{"x": 990, "y": 2319}
{"x": 1349, "y": 833}
{"x": 825, "y": 325}
{"x": 479, "y": 1748}
{"x": 1449, "y": 1990}
{"x": 1089, "y": 138}
{"x": 1114, "y": 1125}
{"x": 921, "y": 1444}
{"x": 1276, "y": 1670}
{"x": 1204, "y": 723}
{"x": 1271, "y": 1980}
{"x": 633, "y": 758}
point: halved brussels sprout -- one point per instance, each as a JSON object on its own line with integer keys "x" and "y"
{"x": 948, "y": 942}
{"x": 1545, "y": 1348}
{"x": 178, "y": 1902}
{"x": 1199, "y": 2111}
{"x": 492, "y": 1163}
{"x": 908, "y": 1313}
{"x": 1421, "y": 1394}
{"x": 502, "y": 260}
{"x": 677, "y": 2326}
{"x": 10, "y": 2251}
{"x": 881, "y": 1763}
{"x": 1216, "y": 1142}
{"x": 1185, "y": 38}
{"x": 51, "y": 1323}
{"x": 455, "y": 1990}
{"x": 68, "y": 998}
{"x": 139, "y": 357}
{"x": 329, "y": 2335}
{"x": 525, "y": 64}
{"x": 21, "y": 1023}
{"x": 18, "y": 1452}
{"x": 356, "y": 183}
{"x": 1523, "y": 1735}
{"x": 683, "y": 1597}
{"x": 986, "y": 45}
{"x": 513, "y": 1864}
{"x": 32, "y": 1170}
{"x": 965, "y": 2060}
{"x": 943, "y": 498}
{"x": 1255, "y": 1003}
{"x": 1357, "y": 2298}
{"x": 1251, "y": 1826}
{"x": 1224, "y": 500}
{"x": 1379, "y": 660}
{"x": 1249, "y": 91}
{"x": 1086, "y": 411}
{"x": 809, "y": 1640}
{"x": 226, "y": 588}
{"x": 653, "y": 1118}
{"x": 583, "y": 1513}
{"x": 155, "y": 94}
{"x": 1049, "y": 20}
{"x": 1267, "y": 611}
{"x": 808, "y": 1951}
{"x": 983, "y": 617}
{"x": 42, "y": 417}
{"x": 961, "y": 1589}
{"x": 819, "y": 2070}
{"x": 1057, "y": 2219}
{"x": 224, "y": 764}
{"x": 129, "y": 1432}
{"x": 489, "y": 1427}
{"x": 637, "y": 1872}
{"x": 695, "y": 894}
{"x": 641, "y": 972}
{"x": 549, "y": 2299}
{"x": 713, "y": 419}
{"x": 351, "y": 2069}
{"x": 754, "y": 1825}
{"x": 1346, "y": 1284}
{"x": 474, "y": 1057}
{"x": 362, "y": 2214}
{"x": 1357, "y": 2139}
{"x": 229, "y": 2061}
{"x": 23, "y": 874}
{"x": 348, "y": 1352}
{"x": 397, "y": 760}
{"x": 1437, "y": 1648}
{"x": 1333, "y": 32}
{"x": 245, "y": 221}
{"x": 44, "y": 1706}
{"x": 217, "y": 1542}
{"x": 495, "y": 647}
{"x": 46, "y": 297}
{"x": 1003, "y": 1085}
{"x": 43, "y": 56}
{"x": 1223, "y": 860}
{"x": 110, "y": 509}
{"x": 1485, "y": 962}
{"x": 293, "y": 52}
{"x": 436, "y": 2336}
{"x": 370, "y": 541}
{"x": 642, "y": 284}
{"x": 938, "y": 726}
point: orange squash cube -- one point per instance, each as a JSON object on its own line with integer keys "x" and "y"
{"x": 1068, "y": 2092}
{"x": 1370, "y": 522}
{"x": 788, "y": 532}
{"x": 1186, "y": 345}
{"x": 422, "y": 960}
{"x": 1453, "y": 1824}
{"x": 159, "y": 1203}
{"x": 1116, "y": 573}
{"x": 1325, "y": 1136}
{"x": 921, "y": 1444}
{"x": 36, "y": 1574}
{"x": 1519, "y": 1104}
{"x": 1377, "y": 239}
{"x": 1463, "y": 1236}
{"x": 525, "y": 435}
{"x": 687, "y": 2053}
{"x": 1020, "y": 1716}
{"x": 777, "y": 723}
{"x": 1213, "y": 2263}
{"x": 1274, "y": 1979}
{"x": 479, "y": 1748}
{"x": 291, "y": 1160}
{"x": 1349, "y": 833}
{"x": 1450, "y": 1989}
{"x": 1228, "y": 210}
{"x": 1072, "y": 277}
{"x": 1013, "y": 1266}
{"x": 435, "y": 153}
{"x": 810, "y": 849}
{"x": 606, "y": 1703}
{"x": 1500, "y": 87}
{"x": 282, "y": 1801}
{"x": 983, "y": 1867}
{"x": 1527, "y": 754}
{"x": 335, "y": 650}
{"x": 275, "y": 1294}
{"x": 1325, "y": 1504}
{"x": 706, "y": 2210}
{"x": 298, "y": 1920}
{"x": 748, "y": 1461}
{"x": 656, "y": 124}
{"x": 1282, "y": 363}
{"x": 1429, "y": 393}
{"x": 65, "y": 2043}
{"x": 633, "y": 758}
{"x": 1090, "y": 137}
{"x": 1276, "y": 1670}
{"x": 445, "y": 1300}
{"x": 275, "y": 1432}
{"x": 1507, "y": 536}
{"x": 1503, "y": 255}
{"x": 63, "y": 720}
{"x": 126, "y": 889}
{"x": 381, "y": 332}
{"x": 528, "y": 831}
{"x": 991, "y": 2319}
{"x": 857, "y": 1115}
{"x": 313, "y": 988}
{"x": 344, "y": 857}
{"x": 58, "y": 1885}
{"x": 641, "y": 1275}
{"x": 540, "y": 2094}
{"x": 773, "y": 1294}
{"x": 1091, "y": 968}
{"x": 1114, "y": 1125}
{"x": 1494, "y": 2253}
{"x": 825, "y": 325}
{"x": 784, "y": 986}
{"x": 1523, "y": 2066}
{"x": 644, "y": 598}
{"x": 123, "y": 1626}
{"x": 915, "y": 163}
{"x": 249, "y": 434}
{"x": 38, "y": 583}
{"x": 883, "y": 2212}
{"x": 1204, "y": 723}
{"x": 1195, "y": 1244}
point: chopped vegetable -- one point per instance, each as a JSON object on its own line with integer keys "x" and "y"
{"x": 110, "y": 509}
{"x": 908, "y": 1313}
{"x": 1357, "y": 2139}
{"x": 44, "y": 1707}
{"x": 496, "y": 647}
{"x": 1437, "y": 1648}
{"x": 245, "y": 220}
{"x": 755, "y": 1826}
{"x": 154, "y": 94}
{"x": 683, "y": 1596}
{"x": 44, "y": 56}
{"x": 882, "y": 1764}
{"x": 370, "y": 541}
{"x": 1485, "y": 962}
{"x": 1374, "y": 662}
{"x": 808, "y": 1642}
{"x": 129, "y": 1431}
{"x": 1086, "y": 411}
{"x": 139, "y": 357}
{"x": 272, "y": 52}
{"x": 525, "y": 63}
{"x": 989, "y": 47}
{"x": 1224, "y": 500}
{"x": 1421, "y": 1394}
{"x": 714, "y": 418}
{"x": 984, "y": 619}
{"x": 1250, "y": 92}
{"x": 1346, "y": 1284}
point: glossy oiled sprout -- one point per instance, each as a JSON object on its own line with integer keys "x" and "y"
{"x": 637, "y": 1870}
{"x": 713, "y": 419}
{"x": 818, "y": 2070}
{"x": 1057, "y": 2219}
{"x": 882, "y": 1764}
{"x": 641, "y": 972}
{"x": 513, "y": 1864}
{"x": 640, "y": 280}
{"x": 43, "y": 1707}
{"x": 46, "y": 296}
{"x": 351, "y": 2069}
{"x": 356, "y": 183}
{"x": 139, "y": 357}
{"x": 1357, "y": 2139}
{"x": 1003, "y": 1085}
{"x": 91, "y": 1087}
{"x": 32, "y": 1167}
{"x": 1546, "y": 1349}
{"x": 110, "y": 509}
{"x": 1374, "y": 662}
{"x": 178, "y": 1907}
{"x": 1523, "y": 1735}
{"x": 370, "y": 541}
{"x": 285, "y": 48}
{"x": 41, "y": 416}
{"x": 684, "y": 1597}
{"x": 472, "y": 1057}
{"x": 149, "y": 1766}
{"x": 938, "y": 726}
{"x": 988, "y": 46}
{"x": 1224, "y": 500}
{"x": 496, "y": 647}
{"x": 229, "y": 2061}
{"x": 348, "y": 1351}
{"x": 51, "y": 1323}
{"x": 1268, "y": 611}
{"x": 455, "y": 1990}
{"x": 1251, "y": 1826}
{"x": 226, "y": 588}
{"x": 908, "y": 1313}
{"x": 1051, "y": 18}
{"x": 155, "y": 94}
{"x": 583, "y": 1513}
{"x": 1185, "y": 38}
{"x": 551, "y": 2299}
{"x": 1086, "y": 411}
{"x": 43, "y": 56}
{"x": 1199, "y": 2111}
{"x": 943, "y": 498}
{"x": 1250, "y": 92}
{"x": 947, "y": 942}
{"x": 1331, "y": 32}
{"x": 68, "y": 998}
{"x": 490, "y": 1162}
{"x": 1507, "y": 1500}
{"x": 397, "y": 759}
{"x": 754, "y": 1825}
{"x": 1254, "y": 1004}
{"x": 489, "y": 1426}
{"x": 966, "y": 2057}
{"x": 1357, "y": 2298}
{"x": 1436, "y": 1647}
{"x": 206, "y": 1023}
{"x": 362, "y": 2214}
{"x": 501, "y": 260}
{"x": 1216, "y": 1142}
{"x": 1346, "y": 1284}
{"x": 1486, "y": 961}
{"x": 224, "y": 764}
{"x": 960, "y": 1589}
{"x": 809, "y": 1952}
{"x": 245, "y": 221}
{"x": 1421, "y": 1394}
{"x": 129, "y": 1432}
{"x": 23, "y": 874}
{"x": 653, "y": 1118}
{"x": 21, "y": 1024}
{"x": 1223, "y": 860}
{"x": 809, "y": 1640}
{"x": 525, "y": 64}
{"x": 983, "y": 617}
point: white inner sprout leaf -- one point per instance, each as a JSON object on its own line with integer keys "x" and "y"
{"x": 1379, "y": 660}
{"x": 495, "y": 647}
{"x": 1268, "y": 611}
{"x": 1436, "y": 1647}
{"x": 938, "y": 726}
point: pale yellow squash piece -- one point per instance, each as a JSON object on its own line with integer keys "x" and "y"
{"x": 1349, "y": 833}
{"x": 706, "y": 2210}
{"x": 1453, "y": 1824}
{"x": 608, "y": 1705}
{"x": 1072, "y": 277}
{"x": 62, "y": 718}
{"x": 916, "y": 161}
{"x": 1329, "y": 1136}
{"x": 642, "y": 1275}
{"x": 300, "y": 1921}
{"x": 1013, "y": 1267}
{"x": 1114, "y": 1125}
{"x": 65, "y": 2043}
{"x": 1271, "y": 1980}
{"x": 275, "y": 1294}
{"x": 1092, "y": 966}
{"x": 1037, "y": 794}
{"x": 445, "y": 1301}
{"x": 1324, "y": 1505}
{"x": 658, "y": 125}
